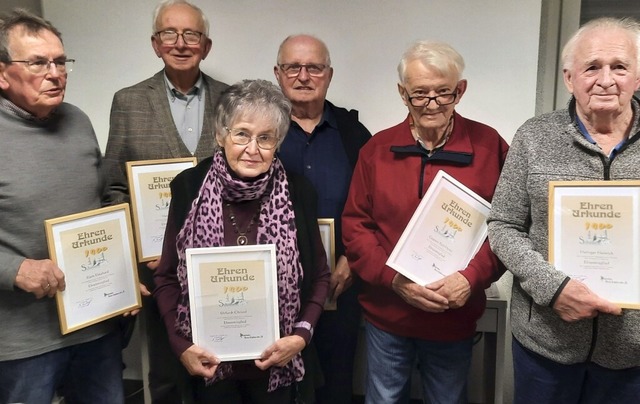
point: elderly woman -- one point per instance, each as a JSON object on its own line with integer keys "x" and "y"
{"x": 571, "y": 345}
{"x": 241, "y": 196}
{"x": 405, "y": 321}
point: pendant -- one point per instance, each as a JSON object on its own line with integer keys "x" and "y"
{"x": 242, "y": 240}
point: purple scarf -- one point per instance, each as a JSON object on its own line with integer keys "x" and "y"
{"x": 203, "y": 227}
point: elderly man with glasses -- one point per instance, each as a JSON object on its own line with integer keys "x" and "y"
{"x": 169, "y": 115}
{"x": 432, "y": 324}
{"x": 49, "y": 167}
{"x": 322, "y": 144}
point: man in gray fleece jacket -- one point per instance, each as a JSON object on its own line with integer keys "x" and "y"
{"x": 571, "y": 345}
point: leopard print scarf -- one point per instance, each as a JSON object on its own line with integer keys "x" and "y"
{"x": 203, "y": 227}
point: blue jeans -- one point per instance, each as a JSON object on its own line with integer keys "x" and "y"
{"x": 83, "y": 373}
{"x": 444, "y": 368}
{"x": 542, "y": 381}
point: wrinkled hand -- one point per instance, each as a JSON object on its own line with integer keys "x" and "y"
{"x": 280, "y": 352}
{"x": 144, "y": 292}
{"x": 577, "y": 302}
{"x": 422, "y": 297}
{"x": 199, "y": 362}
{"x": 455, "y": 288}
{"x": 341, "y": 278}
{"x": 40, "y": 277}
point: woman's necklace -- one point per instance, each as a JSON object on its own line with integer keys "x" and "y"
{"x": 242, "y": 235}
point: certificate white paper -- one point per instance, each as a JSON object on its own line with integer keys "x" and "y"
{"x": 95, "y": 251}
{"x": 594, "y": 236}
{"x": 444, "y": 233}
{"x": 233, "y": 295}
{"x": 328, "y": 236}
{"x": 150, "y": 198}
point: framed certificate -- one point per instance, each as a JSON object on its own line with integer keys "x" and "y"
{"x": 150, "y": 197}
{"x": 444, "y": 233}
{"x": 594, "y": 233}
{"x": 328, "y": 235}
{"x": 95, "y": 251}
{"x": 233, "y": 293}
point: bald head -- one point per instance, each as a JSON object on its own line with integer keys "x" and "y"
{"x": 304, "y": 73}
{"x": 307, "y": 42}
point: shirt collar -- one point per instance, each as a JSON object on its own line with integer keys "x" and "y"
{"x": 328, "y": 118}
{"x": 13, "y": 109}
{"x": 583, "y": 129}
{"x": 173, "y": 92}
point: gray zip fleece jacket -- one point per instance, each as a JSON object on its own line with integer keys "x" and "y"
{"x": 551, "y": 147}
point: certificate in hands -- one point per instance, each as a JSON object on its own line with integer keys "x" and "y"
{"x": 150, "y": 198}
{"x": 233, "y": 297}
{"x": 594, "y": 233}
{"x": 445, "y": 232}
{"x": 95, "y": 251}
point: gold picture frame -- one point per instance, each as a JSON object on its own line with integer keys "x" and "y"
{"x": 328, "y": 236}
{"x": 150, "y": 198}
{"x": 95, "y": 251}
{"x": 594, "y": 233}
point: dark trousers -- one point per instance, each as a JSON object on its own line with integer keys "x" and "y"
{"x": 169, "y": 381}
{"x": 538, "y": 380}
{"x": 251, "y": 391}
{"x": 336, "y": 337}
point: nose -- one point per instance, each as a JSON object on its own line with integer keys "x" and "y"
{"x": 52, "y": 70}
{"x": 431, "y": 104}
{"x": 304, "y": 74}
{"x": 252, "y": 146}
{"x": 180, "y": 43}
{"x": 605, "y": 77}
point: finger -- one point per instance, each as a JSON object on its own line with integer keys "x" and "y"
{"x": 436, "y": 298}
{"x": 609, "y": 308}
{"x": 144, "y": 291}
{"x": 59, "y": 282}
{"x": 332, "y": 292}
{"x": 338, "y": 291}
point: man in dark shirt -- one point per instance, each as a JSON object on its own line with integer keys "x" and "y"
{"x": 322, "y": 144}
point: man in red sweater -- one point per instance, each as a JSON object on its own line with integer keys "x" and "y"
{"x": 435, "y": 323}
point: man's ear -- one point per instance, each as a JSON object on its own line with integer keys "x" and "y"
{"x": 155, "y": 45}
{"x": 207, "y": 48}
{"x": 402, "y": 93}
{"x": 566, "y": 76}
{"x": 4, "y": 83}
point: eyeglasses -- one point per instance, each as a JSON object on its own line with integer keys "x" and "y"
{"x": 293, "y": 69}
{"x": 424, "y": 101}
{"x": 42, "y": 66}
{"x": 241, "y": 138}
{"x": 170, "y": 37}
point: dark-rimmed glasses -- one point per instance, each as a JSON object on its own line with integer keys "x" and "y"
{"x": 424, "y": 101}
{"x": 292, "y": 70}
{"x": 42, "y": 66}
{"x": 241, "y": 138}
{"x": 170, "y": 37}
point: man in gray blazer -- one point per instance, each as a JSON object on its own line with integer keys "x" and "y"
{"x": 169, "y": 115}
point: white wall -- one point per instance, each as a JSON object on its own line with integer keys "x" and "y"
{"x": 497, "y": 38}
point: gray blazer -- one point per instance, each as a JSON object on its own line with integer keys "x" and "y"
{"x": 141, "y": 127}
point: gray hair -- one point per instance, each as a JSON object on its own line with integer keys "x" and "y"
{"x": 249, "y": 97}
{"x": 32, "y": 24}
{"x": 166, "y": 3}
{"x": 327, "y": 58}
{"x": 437, "y": 55}
{"x": 628, "y": 24}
